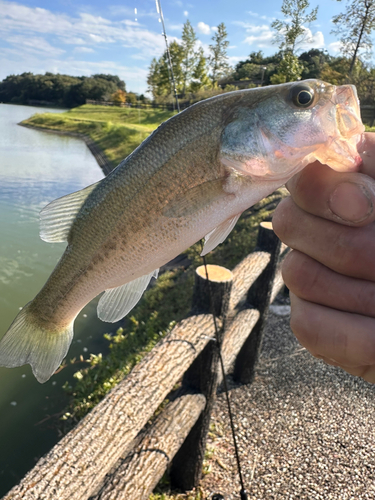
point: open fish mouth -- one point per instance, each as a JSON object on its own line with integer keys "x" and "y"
{"x": 341, "y": 153}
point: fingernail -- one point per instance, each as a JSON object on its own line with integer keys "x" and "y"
{"x": 351, "y": 202}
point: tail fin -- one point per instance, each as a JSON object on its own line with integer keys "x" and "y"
{"x": 25, "y": 343}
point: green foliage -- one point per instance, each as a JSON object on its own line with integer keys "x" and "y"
{"x": 218, "y": 60}
{"x": 159, "y": 77}
{"x": 291, "y": 31}
{"x": 131, "y": 98}
{"x": 200, "y": 79}
{"x": 289, "y": 70}
{"x": 355, "y": 27}
{"x": 189, "y": 68}
{"x": 189, "y": 62}
{"x": 313, "y": 62}
{"x": 256, "y": 67}
{"x": 117, "y": 131}
{"x": 62, "y": 90}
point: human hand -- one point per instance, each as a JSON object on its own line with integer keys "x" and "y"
{"x": 329, "y": 223}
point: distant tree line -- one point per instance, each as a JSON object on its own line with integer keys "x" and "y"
{"x": 61, "y": 90}
{"x": 199, "y": 76}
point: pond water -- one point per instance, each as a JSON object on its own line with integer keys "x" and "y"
{"x": 35, "y": 168}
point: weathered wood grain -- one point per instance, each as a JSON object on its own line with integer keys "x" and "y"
{"x": 212, "y": 294}
{"x": 259, "y": 297}
{"x": 79, "y": 462}
{"x": 136, "y": 476}
{"x": 235, "y": 337}
{"x": 244, "y": 275}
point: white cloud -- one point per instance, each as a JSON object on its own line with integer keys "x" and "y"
{"x": 235, "y": 59}
{"x": 35, "y": 45}
{"x": 175, "y": 27}
{"x": 203, "y": 28}
{"x": 315, "y": 40}
{"x": 83, "y": 30}
{"x": 186, "y": 13}
{"x": 335, "y": 47}
{"x": 255, "y": 14}
{"x": 84, "y": 50}
{"x": 261, "y": 36}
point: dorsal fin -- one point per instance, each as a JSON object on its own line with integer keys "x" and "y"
{"x": 57, "y": 217}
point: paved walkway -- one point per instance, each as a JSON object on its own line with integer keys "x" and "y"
{"x": 305, "y": 430}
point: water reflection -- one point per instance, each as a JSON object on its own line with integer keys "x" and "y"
{"x": 35, "y": 168}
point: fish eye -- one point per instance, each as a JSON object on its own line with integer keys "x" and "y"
{"x": 302, "y": 96}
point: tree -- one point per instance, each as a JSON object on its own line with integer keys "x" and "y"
{"x": 289, "y": 70}
{"x": 314, "y": 62}
{"x": 355, "y": 27}
{"x": 118, "y": 97}
{"x": 218, "y": 60}
{"x": 159, "y": 78}
{"x": 200, "y": 79}
{"x": 292, "y": 31}
{"x": 189, "y": 61}
{"x": 120, "y": 84}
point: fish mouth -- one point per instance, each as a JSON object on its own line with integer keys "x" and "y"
{"x": 340, "y": 152}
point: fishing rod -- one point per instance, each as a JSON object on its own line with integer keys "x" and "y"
{"x": 160, "y": 12}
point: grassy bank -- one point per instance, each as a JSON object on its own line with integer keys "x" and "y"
{"x": 117, "y": 131}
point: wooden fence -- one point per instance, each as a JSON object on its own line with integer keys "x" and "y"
{"x": 368, "y": 114}
{"x": 116, "y": 452}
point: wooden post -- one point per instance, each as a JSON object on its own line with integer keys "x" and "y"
{"x": 259, "y": 297}
{"x": 186, "y": 469}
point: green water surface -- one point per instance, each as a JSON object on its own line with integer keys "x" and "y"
{"x": 35, "y": 168}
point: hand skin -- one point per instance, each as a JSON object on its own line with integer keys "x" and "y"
{"x": 329, "y": 223}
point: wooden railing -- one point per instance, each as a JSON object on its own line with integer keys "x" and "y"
{"x": 368, "y": 114}
{"x": 115, "y": 452}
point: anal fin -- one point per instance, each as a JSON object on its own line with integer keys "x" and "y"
{"x": 219, "y": 234}
{"x": 118, "y": 302}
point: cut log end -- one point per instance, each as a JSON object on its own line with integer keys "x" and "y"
{"x": 267, "y": 225}
{"x": 215, "y": 273}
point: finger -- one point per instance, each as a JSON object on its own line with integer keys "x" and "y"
{"x": 367, "y": 152}
{"x": 347, "y": 198}
{"x": 314, "y": 282}
{"x": 366, "y": 372}
{"x": 346, "y": 338}
{"x": 334, "y": 245}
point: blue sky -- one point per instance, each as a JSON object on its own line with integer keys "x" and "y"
{"x": 83, "y": 38}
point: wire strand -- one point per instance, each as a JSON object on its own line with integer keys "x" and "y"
{"x": 243, "y": 492}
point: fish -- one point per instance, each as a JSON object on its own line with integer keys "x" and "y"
{"x": 190, "y": 179}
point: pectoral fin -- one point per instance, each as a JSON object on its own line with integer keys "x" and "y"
{"x": 196, "y": 198}
{"x": 57, "y": 217}
{"x": 219, "y": 234}
{"x": 118, "y": 302}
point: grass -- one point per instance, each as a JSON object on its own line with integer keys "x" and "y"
{"x": 117, "y": 131}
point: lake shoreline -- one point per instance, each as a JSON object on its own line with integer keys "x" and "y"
{"x": 104, "y": 163}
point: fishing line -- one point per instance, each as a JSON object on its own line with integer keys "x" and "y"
{"x": 160, "y": 12}
{"x": 243, "y": 492}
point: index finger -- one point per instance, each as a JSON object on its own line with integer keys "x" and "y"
{"x": 347, "y": 198}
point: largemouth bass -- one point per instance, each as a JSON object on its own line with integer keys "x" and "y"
{"x": 192, "y": 178}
